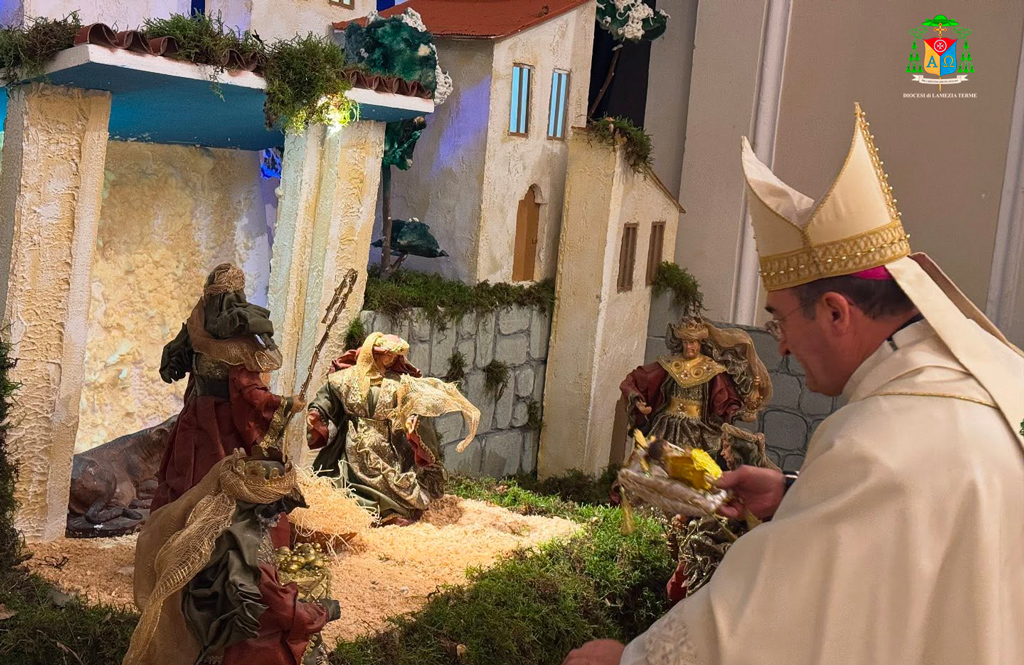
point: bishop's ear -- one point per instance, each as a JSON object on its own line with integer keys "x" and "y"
{"x": 837, "y": 310}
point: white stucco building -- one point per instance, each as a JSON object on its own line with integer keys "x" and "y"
{"x": 619, "y": 225}
{"x": 489, "y": 171}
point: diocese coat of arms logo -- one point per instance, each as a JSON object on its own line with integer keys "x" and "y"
{"x": 946, "y": 58}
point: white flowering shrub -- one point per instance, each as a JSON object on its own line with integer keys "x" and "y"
{"x": 631, "y": 20}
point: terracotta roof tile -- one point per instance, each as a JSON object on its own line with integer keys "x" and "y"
{"x": 480, "y": 19}
{"x": 100, "y": 34}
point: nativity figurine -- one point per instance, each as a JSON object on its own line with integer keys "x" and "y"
{"x": 227, "y": 350}
{"x": 683, "y": 407}
{"x": 710, "y": 377}
{"x": 385, "y": 448}
{"x": 206, "y": 574}
{"x": 112, "y": 485}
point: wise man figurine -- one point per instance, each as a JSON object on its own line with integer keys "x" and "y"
{"x": 709, "y": 378}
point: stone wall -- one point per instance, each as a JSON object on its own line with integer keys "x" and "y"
{"x": 794, "y": 413}
{"x": 505, "y": 443}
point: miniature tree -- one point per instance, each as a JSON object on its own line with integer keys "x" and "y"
{"x": 626, "y": 21}
{"x": 397, "y": 46}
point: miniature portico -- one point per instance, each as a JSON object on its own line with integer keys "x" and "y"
{"x": 51, "y": 195}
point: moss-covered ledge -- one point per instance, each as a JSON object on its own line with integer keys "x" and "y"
{"x": 442, "y": 301}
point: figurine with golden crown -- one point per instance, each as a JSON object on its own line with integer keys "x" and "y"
{"x": 710, "y": 378}
{"x": 681, "y": 410}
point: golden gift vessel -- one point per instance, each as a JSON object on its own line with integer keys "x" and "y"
{"x": 677, "y": 480}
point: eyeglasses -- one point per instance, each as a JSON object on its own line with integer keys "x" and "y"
{"x": 774, "y": 326}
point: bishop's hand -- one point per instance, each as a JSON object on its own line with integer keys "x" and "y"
{"x": 643, "y": 408}
{"x": 598, "y": 652}
{"x": 755, "y": 489}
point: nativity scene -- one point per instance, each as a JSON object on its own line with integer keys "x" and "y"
{"x": 372, "y": 332}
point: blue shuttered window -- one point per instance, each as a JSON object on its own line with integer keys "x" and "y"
{"x": 557, "y": 108}
{"x": 519, "y": 109}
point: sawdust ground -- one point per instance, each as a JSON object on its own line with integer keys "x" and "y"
{"x": 389, "y": 571}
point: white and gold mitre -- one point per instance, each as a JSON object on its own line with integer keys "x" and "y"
{"x": 854, "y": 226}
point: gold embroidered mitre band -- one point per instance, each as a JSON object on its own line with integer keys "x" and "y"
{"x": 855, "y": 226}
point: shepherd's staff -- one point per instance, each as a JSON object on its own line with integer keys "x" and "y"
{"x": 334, "y": 310}
{"x": 331, "y": 316}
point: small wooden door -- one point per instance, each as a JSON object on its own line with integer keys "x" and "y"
{"x": 527, "y": 223}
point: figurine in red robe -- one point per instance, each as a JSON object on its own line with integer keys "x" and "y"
{"x": 690, "y": 398}
{"x": 686, "y": 396}
{"x": 226, "y": 347}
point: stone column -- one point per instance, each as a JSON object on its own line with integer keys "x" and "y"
{"x": 328, "y": 209}
{"x": 289, "y": 262}
{"x": 51, "y": 184}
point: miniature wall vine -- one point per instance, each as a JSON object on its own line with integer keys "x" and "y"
{"x": 683, "y": 286}
{"x": 636, "y": 143}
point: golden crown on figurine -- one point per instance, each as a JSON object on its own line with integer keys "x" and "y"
{"x": 691, "y": 329}
{"x": 855, "y": 226}
{"x": 254, "y": 472}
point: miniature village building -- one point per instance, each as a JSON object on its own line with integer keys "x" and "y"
{"x": 489, "y": 172}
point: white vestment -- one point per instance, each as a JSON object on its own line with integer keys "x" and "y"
{"x": 902, "y": 542}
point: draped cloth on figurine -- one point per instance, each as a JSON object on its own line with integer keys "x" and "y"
{"x": 206, "y": 545}
{"x": 654, "y": 385}
{"x": 224, "y": 347}
{"x": 210, "y": 428}
{"x": 391, "y": 468}
{"x": 901, "y": 543}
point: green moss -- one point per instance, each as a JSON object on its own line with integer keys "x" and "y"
{"x": 25, "y": 50}
{"x": 509, "y": 493}
{"x": 575, "y": 486}
{"x": 496, "y": 378}
{"x": 534, "y": 419}
{"x": 534, "y": 607}
{"x": 456, "y": 368}
{"x": 305, "y": 75}
{"x": 49, "y": 627}
{"x": 306, "y": 84}
{"x": 446, "y": 301}
{"x": 355, "y": 335}
{"x": 203, "y": 39}
{"x": 636, "y": 143}
{"x": 684, "y": 287}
